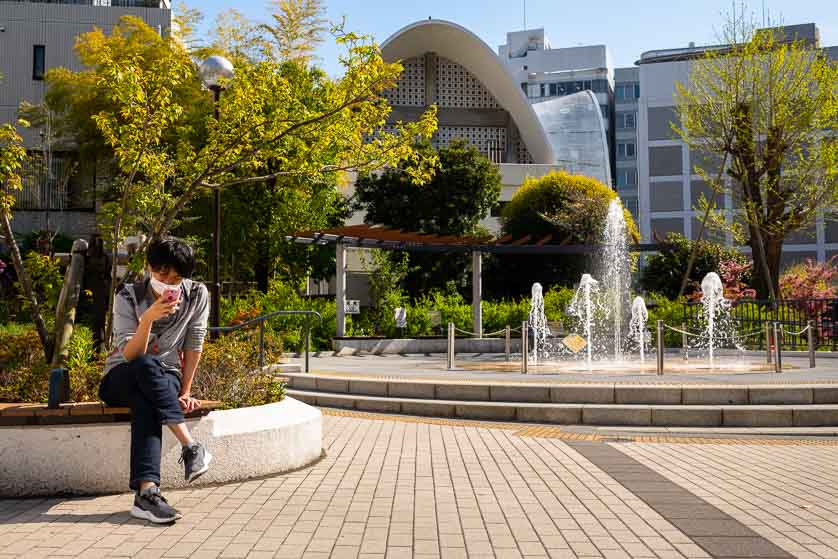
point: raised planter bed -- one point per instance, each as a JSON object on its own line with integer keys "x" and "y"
{"x": 79, "y": 449}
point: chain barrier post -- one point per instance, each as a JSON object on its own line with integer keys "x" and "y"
{"x": 810, "y": 335}
{"x": 262, "y": 344}
{"x": 451, "y": 346}
{"x": 768, "y": 349}
{"x": 778, "y": 355}
{"x": 508, "y": 342}
{"x": 525, "y": 347}
{"x": 660, "y": 346}
{"x": 684, "y": 342}
{"x": 308, "y": 342}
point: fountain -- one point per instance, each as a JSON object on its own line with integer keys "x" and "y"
{"x": 637, "y": 326}
{"x": 582, "y": 307}
{"x": 713, "y": 302}
{"x": 614, "y": 269}
{"x": 538, "y": 322}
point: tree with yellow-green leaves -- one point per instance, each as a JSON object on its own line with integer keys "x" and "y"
{"x": 154, "y": 122}
{"x": 759, "y": 118}
{"x": 12, "y": 156}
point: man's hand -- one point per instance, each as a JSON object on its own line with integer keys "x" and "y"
{"x": 160, "y": 309}
{"x": 188, "y": 403}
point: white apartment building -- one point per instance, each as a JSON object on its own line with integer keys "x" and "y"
{"x": 668, "y": 188}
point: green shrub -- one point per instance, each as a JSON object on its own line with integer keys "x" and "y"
{"x": 664, "y": 271}
{"x": 229, "y": 372}
{"x": 24, "y": 376}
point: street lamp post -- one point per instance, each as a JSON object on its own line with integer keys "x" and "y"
{"x": 215, "y": 71}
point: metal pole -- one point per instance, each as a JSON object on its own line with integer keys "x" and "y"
{"x": 660, "y": 346}
{"x": 810, "y": 334}
{"x": 508, "y": 344}
{"x": 768, "y": 349}
{"x": 261, "y": 344}
{"x": 525, "y": 347}
{"x": 450, "y": 346}
{"x": 308, "y": 339}
{"x": 778, "y": 355}
{"x": 684, "y": 341}
{"x": 215, "y": 308}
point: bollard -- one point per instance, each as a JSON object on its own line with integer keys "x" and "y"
{"x": 660, "y": 346}
{"x": 684, "y": 341}
{"x": 525, "y": 347}
{"x": 451, "y": 347}
{"x": 778, "y": 355}
{"x": 508, "y": 346}
{"x": 810, "y": 334}
{"x": 768, "y": 349}
{"x": 308, "y": 341}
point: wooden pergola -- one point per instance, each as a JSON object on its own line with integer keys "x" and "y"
{"x": 376, "y": 236}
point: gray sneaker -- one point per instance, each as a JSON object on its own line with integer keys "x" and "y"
{"x": 196, "y": 460}
{"x": 152, "y": 506}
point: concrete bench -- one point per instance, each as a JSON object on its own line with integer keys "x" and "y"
{"x": 14, "y": 414}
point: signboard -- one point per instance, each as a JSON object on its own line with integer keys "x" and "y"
{"x": 436, "y": 318}
{"x": 352, "y": 306}
{"x": 575, "y": 343}
{"x": 401, "y": 317}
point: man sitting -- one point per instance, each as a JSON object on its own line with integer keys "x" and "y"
{"x": 159, "y": 326}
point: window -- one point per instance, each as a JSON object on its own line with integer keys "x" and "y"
{"x": 626, "y": 121}
{"x": 626, "y": 150}
{"x": 604, "y": 109}
{"x": 554, "y": 89}
{"x": 627, "y": 91}
{"x": 39, "y": 64}
{"x": 562, "y": 90}
{"x": 587, "y": 84}
{"x": 626, "y": 177}
{"x": 524, "y": 87}
{"x": 543, "y": 93}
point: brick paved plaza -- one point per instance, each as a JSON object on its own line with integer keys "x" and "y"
{"x": 400, "y": 487}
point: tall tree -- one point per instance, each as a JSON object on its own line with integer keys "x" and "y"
{"x": 297, "y": 28}
{"x": 273, "y": 123}
{"x": 758, "y": 114}
{"x": 464, "y": 189}
{"x": 12, "y": 155}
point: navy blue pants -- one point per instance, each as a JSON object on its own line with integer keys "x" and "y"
{"x": 152, "y": 394}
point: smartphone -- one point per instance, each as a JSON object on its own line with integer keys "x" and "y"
{"x": 171, "y": 295}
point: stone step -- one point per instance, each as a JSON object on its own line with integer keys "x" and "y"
{"x": 572, "y": 393}
{"x": 638, "y": 415}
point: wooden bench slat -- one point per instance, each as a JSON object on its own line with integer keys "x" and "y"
{"x": 79, "y": 409}
{"x": 85, "y": 408}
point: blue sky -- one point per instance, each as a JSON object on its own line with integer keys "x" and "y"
{"x": 628, "y": 27}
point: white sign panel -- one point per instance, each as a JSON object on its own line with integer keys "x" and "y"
{"x": 352, "y": 306}
{"x": 401, "y": 317}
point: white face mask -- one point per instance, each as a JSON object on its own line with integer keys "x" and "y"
{"x": 161, "y": 287}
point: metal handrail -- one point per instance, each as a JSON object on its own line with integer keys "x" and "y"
{"x": 260, "y": 320}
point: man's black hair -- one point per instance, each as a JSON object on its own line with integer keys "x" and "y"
{"x": 171, "y": 254}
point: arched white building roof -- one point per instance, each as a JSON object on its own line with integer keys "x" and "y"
{"x": 460, "y": 45}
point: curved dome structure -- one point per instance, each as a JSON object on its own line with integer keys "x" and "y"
{"x": 459, "y": 45}
{"x": 576, "y": 132}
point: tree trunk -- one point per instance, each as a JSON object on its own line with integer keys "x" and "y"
{"x": 26, "y": 283}
{"x": 766, "y": 273}
{"x": 262, "y": 270}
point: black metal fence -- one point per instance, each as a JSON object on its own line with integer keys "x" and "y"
{"x": 750, "y": 316}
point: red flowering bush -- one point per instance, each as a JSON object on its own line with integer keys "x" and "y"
{"x": 733, "y": 274}
{"x": 809, "y": 280}
{"x": 809, "y": 283}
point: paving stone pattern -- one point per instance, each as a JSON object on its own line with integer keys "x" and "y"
{"x": 712, "y": 529}
{"x": 788, "y": 494}
{"x": 398, "y": 489}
